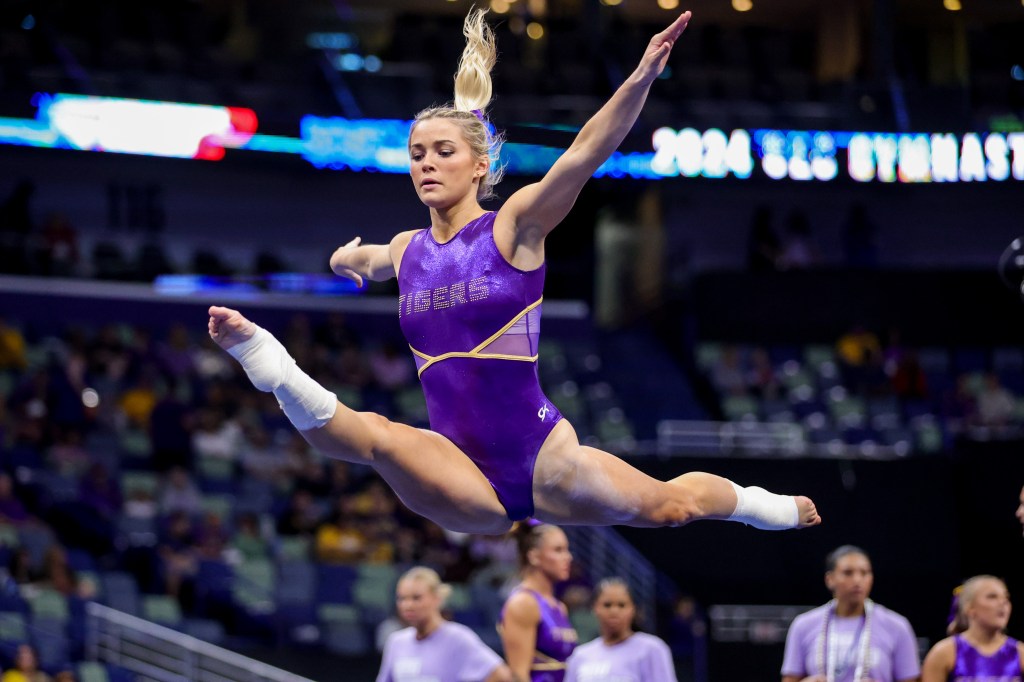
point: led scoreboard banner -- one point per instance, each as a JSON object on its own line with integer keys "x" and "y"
{"x": 168, "y": 129}
{"x": 827, "y": 155}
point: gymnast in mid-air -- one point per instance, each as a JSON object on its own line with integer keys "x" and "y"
{"x": 470, "y": 302}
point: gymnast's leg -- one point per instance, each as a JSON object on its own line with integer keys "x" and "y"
{"x": 574, "y": 484}
{"x": 426, "y": 470}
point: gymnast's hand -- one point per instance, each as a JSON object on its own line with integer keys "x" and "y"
{"x": 340, "y": 261}
{"x": 228, "y": 327}
{"x": 656, "y": 55}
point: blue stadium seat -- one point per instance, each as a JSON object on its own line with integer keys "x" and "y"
{"x": 121, "y": 592}
{"x": 334, "y": 584}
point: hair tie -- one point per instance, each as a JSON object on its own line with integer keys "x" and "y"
{"x": 954, "y": 607}
{"x": 533, "y": 523}
{"x": 479, "y": 114}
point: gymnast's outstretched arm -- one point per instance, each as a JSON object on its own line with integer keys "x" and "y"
{"x": 535, "y": 210}
{"x": 375, "y": 262}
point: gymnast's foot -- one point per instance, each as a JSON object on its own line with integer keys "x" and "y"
{"x": 807, "y": 513}
{"x": 264, "y": 359}
{"x": 228, "y": 327}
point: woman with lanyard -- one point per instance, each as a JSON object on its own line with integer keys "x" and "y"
{"x": 978, "y": 650}
{"x": 620, "y": 654}
{"x": 851, "y": 638}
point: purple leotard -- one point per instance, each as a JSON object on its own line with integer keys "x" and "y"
{"x": 556, "y": 639}
{"x": 473, "y": 323}
{"x": 973, "y": 666}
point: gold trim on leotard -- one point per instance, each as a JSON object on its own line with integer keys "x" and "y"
{"x": 477, "y": 352}
{"x": 545, "y": 662}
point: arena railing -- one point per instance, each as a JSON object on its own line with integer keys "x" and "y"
{"x": 757, "y": 439}
{"x": 161, "y": 654}
{"x": 604, "y": 553}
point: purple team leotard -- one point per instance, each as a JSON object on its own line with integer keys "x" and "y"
{"x": 556, "y": 639}
{"x": 974, "y": 666}
{"x": 473, "y": 323}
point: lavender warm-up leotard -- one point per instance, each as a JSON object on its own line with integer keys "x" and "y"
{"x": 973, "y": 666}
{"x": 473, "y": 323}
{"x": 556, "y": 639}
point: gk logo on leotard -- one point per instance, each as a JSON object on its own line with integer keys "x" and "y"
{"x": 542, "y": 412}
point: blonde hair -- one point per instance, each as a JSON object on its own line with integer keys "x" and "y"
{"x": 432, "y": 580}
{"x": 473, "y": 93}
{"x": 965, "y": 596}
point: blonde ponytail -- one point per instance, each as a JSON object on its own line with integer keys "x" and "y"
{"x": 473, "y": 79}
{"x": 473, "y": 92}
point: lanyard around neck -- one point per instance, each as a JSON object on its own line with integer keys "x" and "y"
{"x": 829, "y": 650}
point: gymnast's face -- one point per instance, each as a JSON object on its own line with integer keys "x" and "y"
{"x": 442, "y": 165}
{"x": 851, "y": 580}
{"x": 615, "y": 611}
{"x": 990, "y": 606}
{"x": 417, "y": 603}
{"x": 551, "y": 556}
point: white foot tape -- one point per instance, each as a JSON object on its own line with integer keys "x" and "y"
{"x": 765, "y": 510}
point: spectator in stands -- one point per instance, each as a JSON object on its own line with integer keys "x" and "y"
{"x": 996, "y": 406}
{"x": 216, "y": 436}
{"x": 761, "y": 377}
{"x": 959, "y": 407}
{"x": 432, "y": 646}
{"x": 211, "y": 537}
{"x": 261, "y": 458}
{"x": 57, "y": 253}
{"x": 12, "y": 511}
{"x": 57, "y": 573}
{"x": 534, "y": 625}
{"x": 391, "y": 370}
{"x": 99, "y": 491}
{"x": 180, "y": 494}
{"x": 20, "y": 567}
{"x": 620, "y": 653}
{"x": 727, "y": 372}
{"x": 67, "y": 455}
{"x": 335, "y": 333}
{"x": 978, "y": 648}
{"x": 851, "y": 632}
{"x": 340, "y": 539}
{"x": 141, "y": 504}
{"x": 763, "y": 245}
{"x": 687, "y": 638}
{"x": 798, "y": 249}
{"x": 177, "y": 553}
{"x": 170, "y": 428}
{"x": 12, "y": 347}
{"x": 175, "y": 352}
{"x": 301, "y": 517}
{"x": 909, "y": 381}
{"x": 859, "y": 354}
{"x": 26, "y": 667}
{"x": 248, "y": 540}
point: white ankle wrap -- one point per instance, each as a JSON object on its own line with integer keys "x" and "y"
{"x": 270, "y": 368}
{"x": 761, "y": 509}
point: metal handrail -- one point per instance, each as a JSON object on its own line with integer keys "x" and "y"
{"x": 165, "y": 655}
